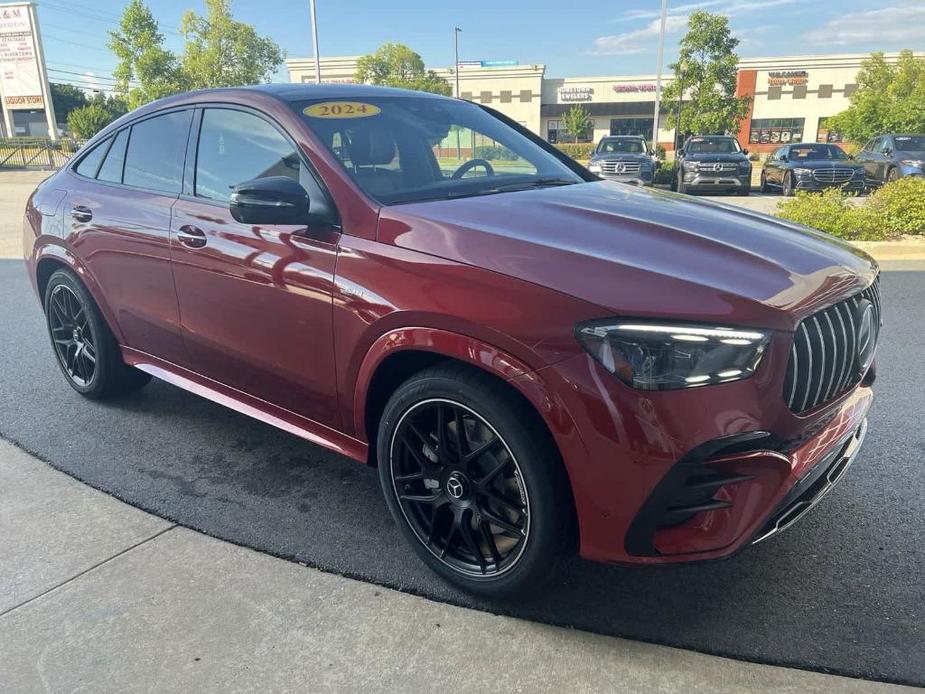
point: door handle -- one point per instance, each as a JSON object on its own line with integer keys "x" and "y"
{"x": 191, "y": 237}
{"x": 81, "y": 214}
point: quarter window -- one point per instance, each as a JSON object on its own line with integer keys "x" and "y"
{"x": 111, "y": 170}
{"x": 90, "y": 164}
{"x": 155, "y": 152}
{"x": 235, "y": 147}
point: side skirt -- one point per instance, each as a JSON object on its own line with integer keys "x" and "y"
{"x": 246, "y": 404}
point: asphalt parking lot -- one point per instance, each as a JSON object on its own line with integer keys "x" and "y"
{"x": 843, "y": 591}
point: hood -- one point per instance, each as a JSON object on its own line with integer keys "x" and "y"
{"x": 713, "y": 156}
{"x": 620, "y": 156}
{"x": 640, "y": 252}
{"x": 826, "y": 164}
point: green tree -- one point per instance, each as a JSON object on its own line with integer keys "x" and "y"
{"x": 890, "y": 98}
{"x": 146, "y": 70}
{"x": 576, "y": 120}
{"x": 706, "y": 69}
{"x": 115, "y": 104}
{"x": 221, "y": 52}
{"x": 66, "y": 97}
{"x": 396, "y": 65}
{"x": 84, "y": 122}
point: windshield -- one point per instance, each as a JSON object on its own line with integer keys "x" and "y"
{"x": 804, "y": 152}
{"x": 409, "y": 149}
{"x": 910, "y": 143}
{"x": 712, "y": 145}
{"x": 630, "y": 146}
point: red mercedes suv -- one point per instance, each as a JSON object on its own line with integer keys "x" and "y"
{"x": 537, "y": 361}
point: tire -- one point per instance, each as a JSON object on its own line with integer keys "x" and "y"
{"x": 681, "y": 186}
{"x": 892, "y": 175}
{"x": 85, "y": 348}
{"x": 514, "y": 490}
{"x": 744, "y": 192}
{"x": 787, "y": 185}
{"x": 764, "y": 183}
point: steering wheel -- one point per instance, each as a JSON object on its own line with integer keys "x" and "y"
{"x": 471, "y": 164}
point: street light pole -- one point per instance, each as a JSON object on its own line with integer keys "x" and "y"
{"x": 456, "y": 31}
{"x": 658, "y": 75}
{"x": 315, "y": 42}
{"x": 682, "y": 65}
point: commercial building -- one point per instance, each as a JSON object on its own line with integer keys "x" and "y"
{"x": 791, "y": 96}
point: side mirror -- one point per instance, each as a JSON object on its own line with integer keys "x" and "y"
{"x": 681, "y": 152}
{"x": 271, "y": 200}
{"x": 651, "y": 152}
{"x": 888, "y": 151}
{"x": 783, "y": 157}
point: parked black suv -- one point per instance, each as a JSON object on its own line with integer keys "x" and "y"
{"x": 890, "y": 157}
{"x": 713, "y": 163}
{"x": 624, "y": 158}
{"x": 811, "y": 166}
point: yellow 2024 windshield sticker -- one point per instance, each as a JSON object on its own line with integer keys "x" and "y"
{"x": 341, "y": 109}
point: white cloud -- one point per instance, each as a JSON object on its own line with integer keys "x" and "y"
{"x": 899, "y": 24}
{"x": 644, "y": 38}
{"x": 638, "y": 40}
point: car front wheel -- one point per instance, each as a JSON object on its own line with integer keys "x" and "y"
{"x": 474, "y": 482}
{"x": 787, "y": 186}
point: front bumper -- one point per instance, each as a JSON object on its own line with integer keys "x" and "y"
{"x": 855, "y": 184}
{"x": 642, "y": 179}
{"x": 717, "y": 181}
{"x": 645, "y": 457}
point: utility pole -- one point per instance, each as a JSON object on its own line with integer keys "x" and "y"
{"x": 456, "y": 66}
{"x": 658, "y": 74}
{"x": 315, "y": 42}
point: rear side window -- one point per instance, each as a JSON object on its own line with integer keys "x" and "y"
{"x": 154, "y": 159}
{"x": 111, "y": 170}
{"x": 234, "y": 147}
{"x": 90, "y": 164}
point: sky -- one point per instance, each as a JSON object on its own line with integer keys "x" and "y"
{"x": 581, "y": 39}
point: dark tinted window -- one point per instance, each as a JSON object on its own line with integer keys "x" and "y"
{"x": 111, "y": 170}
{"x": 155, "y": 152}
{"x": 90, "y": 164}
{"x": 234, "y": 147}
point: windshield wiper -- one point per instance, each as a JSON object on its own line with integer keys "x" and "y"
{"x": 541, "y": 182}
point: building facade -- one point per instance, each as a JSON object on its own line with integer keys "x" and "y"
{"x": 791, "y": 96}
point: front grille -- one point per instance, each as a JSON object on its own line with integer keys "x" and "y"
{"x": 620, "y": 168}
{"x": 822, "y": 358}
{"x": 833, "y": 175}
{"x": 717, "y": 167}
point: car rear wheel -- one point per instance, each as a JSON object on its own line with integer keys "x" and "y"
{"x": 474, "y": 482}
{"x": 85, "y": 348}
{"x": 787, "y": 186}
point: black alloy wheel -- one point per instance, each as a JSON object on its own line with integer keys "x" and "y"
{"x": 460, "y": 488}
{"x": 474, "y": 481}
{"x": 72, "y": 335}
{"x": 764, "y": 183}
{"x": 84, "y": 346}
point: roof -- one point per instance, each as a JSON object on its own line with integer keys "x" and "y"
{"x": 301, "y": 92}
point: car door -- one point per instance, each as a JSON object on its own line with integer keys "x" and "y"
{"x": 255, "y": 301}
{"x": 120, "y": 212}
{"x": 885, "y": 157}
{"x": 864, "y": 158}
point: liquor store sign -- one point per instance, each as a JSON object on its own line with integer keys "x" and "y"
{"x": 20, "y": 78}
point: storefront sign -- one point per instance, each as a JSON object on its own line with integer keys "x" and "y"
{"x": 20, "y": 78}
{"x": 576, "y": 93}
{"x": 788, "y": 77}
{"x": 634, "y": 88}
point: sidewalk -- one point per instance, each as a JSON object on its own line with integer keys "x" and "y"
{"x": 98, "y": 596}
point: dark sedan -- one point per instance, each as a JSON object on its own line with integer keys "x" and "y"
{"x": 811, "y": 166}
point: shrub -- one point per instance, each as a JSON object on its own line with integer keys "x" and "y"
{"x": 831, "y": 212}
{"x": 901, "y": 206}
{"x": 87, "y": 121}
{"x": 580, "y": 151}
{"x": 754, "y": 156}
{"x": 660, "y": 152}
{"x": 493, "y": 152}
{"x": 665, "y": 173}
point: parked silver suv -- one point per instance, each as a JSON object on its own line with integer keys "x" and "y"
{"x": 624, "y": 158}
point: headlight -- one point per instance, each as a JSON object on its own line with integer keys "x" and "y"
{"x": 594, "y": 168}
{"x": 917, "y": 163}
{"x": 656, "y": 356}
{"x": 803, "y": 172}
{"x": 689, "y": 165}
{"x": 859, "y": 173}
{"x": 744, "y": 165}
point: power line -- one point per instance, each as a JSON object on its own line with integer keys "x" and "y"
{"x": 98, "y": 15}
{"x": 76, "y": 43}
{"x": 85, "y": 75}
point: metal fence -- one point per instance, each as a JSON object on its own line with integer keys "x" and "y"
{"x": 36, "y": 153}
